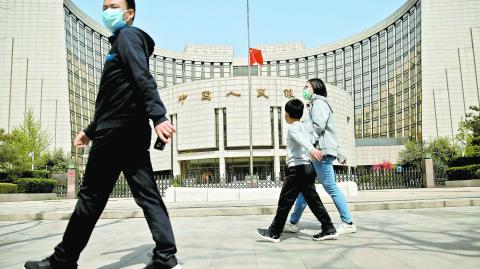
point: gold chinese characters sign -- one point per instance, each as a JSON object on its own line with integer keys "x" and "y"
{"x": 288, "y": 93}
{"x": 261, "y": 93}
{"x": 182, "y": 97}
{"x": 206, "y": 96}
{"x": 237, "y": 94}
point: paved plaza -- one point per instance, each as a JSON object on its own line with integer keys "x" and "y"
{"x": 408, "y": 238}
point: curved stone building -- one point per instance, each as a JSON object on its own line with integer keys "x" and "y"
{"x": 411, "y": 76}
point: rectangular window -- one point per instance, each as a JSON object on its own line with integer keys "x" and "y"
{"x": 169, "y": 64}
{"x": 283, "y": 69}
{"x": 240, "y": 71}
{"x": 217, "y": 128}
{"x": 330, "y": 68}
{"x": 280, "y": 126}
{"x": 322, "y": 66}
{"x": 188, "y": 71}
{"x": 339, "y": 68}
{"x": 179, "y": 69}
{"x": 272, "y": 126}
{"x": 208, "y": 67}
{"x": 302, "y": 66}
{"x": 227, "y": 70}
{"x": 312, "y": 73}
{"x": 224, "y": 127}
{"x": 197, "y": 70}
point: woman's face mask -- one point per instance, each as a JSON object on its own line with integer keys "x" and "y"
{"x": 307, "y": 94}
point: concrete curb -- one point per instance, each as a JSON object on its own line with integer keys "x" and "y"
{"x": 253, "y": 210}
{"x": 19, "y": 197}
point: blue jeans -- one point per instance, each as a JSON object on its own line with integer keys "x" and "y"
{"x": 324, "y": 169}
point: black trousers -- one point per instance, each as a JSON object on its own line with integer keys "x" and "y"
{"x": 299, "y": 179}
{"x": 114, "y": 151}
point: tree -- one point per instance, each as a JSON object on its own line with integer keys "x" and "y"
{"x": 55, "y": 161}
{"x": 472, "y": 124}
{"x": 23, "y": 139}
{"x": 442, "y": 150}
{"x": 472, "y": 121}
{"x": 412, "y": 155}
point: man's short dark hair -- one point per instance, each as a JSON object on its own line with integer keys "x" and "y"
{"x": 318, "y": 86}
{"x": 294, "y": 108}
{"x": 131, "y": 5}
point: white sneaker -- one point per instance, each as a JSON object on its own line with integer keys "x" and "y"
{"x": 178, "y": 266}
{"x": 345, "y": 228}
{"x": 291, "y": 228}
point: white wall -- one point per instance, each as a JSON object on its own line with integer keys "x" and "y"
{"x": 37, "y": 28}
{"x": 196, "y": 118}
{"x": 445, "y": 29}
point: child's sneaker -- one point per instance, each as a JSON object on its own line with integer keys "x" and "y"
{"x": 291, "y": 228}
{"x": 267, "y": 235}
{"x": 345, "y": 228}
{"x": 326, "y": 235}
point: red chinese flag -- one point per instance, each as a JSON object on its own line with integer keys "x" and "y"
{"x": 256, "y": 56}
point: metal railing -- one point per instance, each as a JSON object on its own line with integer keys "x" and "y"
{"x": 366, "y": 179}
{"x": 440, "y": 174}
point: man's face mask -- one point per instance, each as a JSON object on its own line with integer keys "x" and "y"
{"x": 113, "y": 19}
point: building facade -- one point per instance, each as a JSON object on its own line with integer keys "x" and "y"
{"x": 411, "y": 76}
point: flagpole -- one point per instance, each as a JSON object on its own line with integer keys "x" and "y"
{"x": 249, "y": 92}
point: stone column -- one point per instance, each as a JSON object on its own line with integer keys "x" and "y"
{"x": 276, "y": 144}
{"x": 72, "y": 183}
{"x": 428, "y": 177}
{"x": 222, "y": 169}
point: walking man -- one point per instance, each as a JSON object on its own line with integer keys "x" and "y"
{"x": 120, "y": 135}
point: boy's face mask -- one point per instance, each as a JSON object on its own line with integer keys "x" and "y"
{"x": 113, "y": 19}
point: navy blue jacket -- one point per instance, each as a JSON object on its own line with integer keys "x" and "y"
{"x": 128, "y": 94}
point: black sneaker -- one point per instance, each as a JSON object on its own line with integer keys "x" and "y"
{"x": 153, "y": 265}
{"x": 47, "y": 264}
{"x": 329, "y": 234}
{"x": 267, "y": 235}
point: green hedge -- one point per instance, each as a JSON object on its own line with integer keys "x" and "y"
{"x": 463, "y": 161}
{"x": 11, "y": 176}
{"x": 4, "y": 175}
{"x": 475, "y": 141}
{"x": 35, "y": 185}
{"x": 33, "y": 174}
{"x": 8, "y": 188}
{"x": 478, "y": 174}
{"x": 462, "y": 172}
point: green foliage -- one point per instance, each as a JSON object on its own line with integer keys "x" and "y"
{"x": 477, "y": 174}
{"x": 472, "y": 121}
{"x": 35, "y": 185}
{"x": 442, "y": 150}
{"x": 412, "y": 155}
{"x": 55, "y": 162}
{"x": 8, "y": 188}
{"x": 472, "y": 127}
{"x": 4, "y": 175}
{"x": 23, "y": 139}
{"x": 177, "y": 182}
{"x": 462, "y": 172}
{"x": 473, "y": 147}
{"x": 40, "y": 174}
{"x": 463, "y": 161}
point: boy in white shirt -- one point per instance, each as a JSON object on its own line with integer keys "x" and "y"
{"x": 300, "y": 178}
